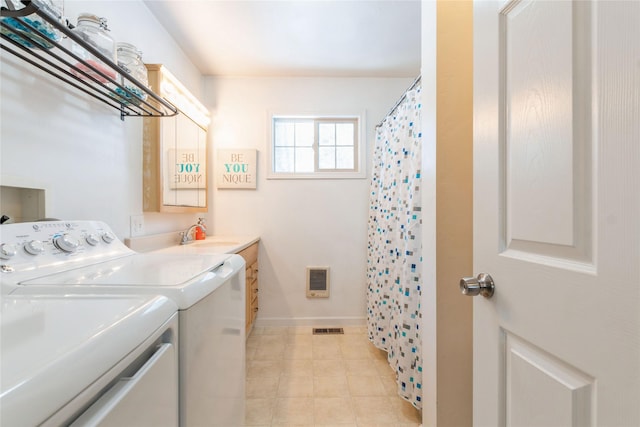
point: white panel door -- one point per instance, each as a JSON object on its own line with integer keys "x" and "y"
{"x": 557, "y": 213}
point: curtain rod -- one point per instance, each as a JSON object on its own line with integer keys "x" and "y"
{"x": 404, "y": 95}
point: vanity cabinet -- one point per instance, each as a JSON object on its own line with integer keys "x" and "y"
{"x": 250, "y": 255}
{"x": 174, "y": 176}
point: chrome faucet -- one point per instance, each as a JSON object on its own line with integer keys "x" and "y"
{"x": 186, "y": 235}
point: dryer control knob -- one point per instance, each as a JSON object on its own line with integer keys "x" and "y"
{"x": 8, "y": 250}
{"x": 34, "y": 247}
{"x": 108, "y": 237}
{"x": 92, "y": 239}
{"x": 66, "y": 243}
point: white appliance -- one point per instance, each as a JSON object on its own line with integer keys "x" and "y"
{"x": 84, "y": 257}
{"x": 82, "y": 361}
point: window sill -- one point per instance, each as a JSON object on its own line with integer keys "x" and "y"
{"x": 316, "y": 175}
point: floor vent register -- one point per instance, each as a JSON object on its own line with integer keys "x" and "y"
{"x": 327, "y": 331}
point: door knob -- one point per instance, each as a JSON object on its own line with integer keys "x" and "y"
{"x": 472, "y": 286}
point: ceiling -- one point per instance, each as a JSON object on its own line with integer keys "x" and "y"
{"x": 329, "y": 38}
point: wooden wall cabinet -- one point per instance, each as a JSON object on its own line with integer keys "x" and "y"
{"x": 175, "y": 169}
{"x": 250, "y": 255}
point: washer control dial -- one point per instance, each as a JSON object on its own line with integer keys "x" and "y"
{"x": 92, "y": 239}
{"x": 108, "y": 237}
{"x": 66, "y": 243}
{"x": 8, "y": 250}
{"x": 34, "y": 247}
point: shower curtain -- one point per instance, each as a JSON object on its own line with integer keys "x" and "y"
{"x": 394, "y": 245}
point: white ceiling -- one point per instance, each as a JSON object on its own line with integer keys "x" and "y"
{"x": 337, "y": 38}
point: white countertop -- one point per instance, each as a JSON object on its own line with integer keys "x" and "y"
{"x": 212, "y": 245}
{"x": 169, "y": 243}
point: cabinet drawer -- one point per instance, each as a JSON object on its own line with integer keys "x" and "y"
{"x": 252, "y": 272}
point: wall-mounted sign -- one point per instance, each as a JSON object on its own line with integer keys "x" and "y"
{"x": 236, "y": 168}
{"x": 187, "y": 168}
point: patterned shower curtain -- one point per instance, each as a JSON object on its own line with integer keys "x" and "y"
{"x": 394, "y": 245}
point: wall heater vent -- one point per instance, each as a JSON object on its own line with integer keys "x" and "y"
{"x": 317, "y": 282}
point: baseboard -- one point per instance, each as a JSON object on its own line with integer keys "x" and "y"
{"x": 310, "y": 321}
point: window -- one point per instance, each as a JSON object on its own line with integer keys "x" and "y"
{"x": 315, "y": 147}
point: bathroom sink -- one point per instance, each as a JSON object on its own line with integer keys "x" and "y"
{"x": 214, "y": 243}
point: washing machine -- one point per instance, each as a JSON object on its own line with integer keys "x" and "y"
{"x": 85, "y": 258}
{"x": 86, "y": 361}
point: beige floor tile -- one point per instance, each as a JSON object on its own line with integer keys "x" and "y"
{"x": 357, "y": 351}
{"x": 295, "y": 386}
{"x": 259, "y": 412}
{"x": 298, "y": 351}
{"x": 264, "y": 368}
{"x": 383, "y": 367}
{"x": 295, "y": 410}
{"x": 378, "y": 424}
{"x": 335, "y": 386}
{"x": 390, "y": 385}
{"x": 269, "y": 352}
{"x": 360, "y": 367}
{"x": 297, "y": 367}
{"x": 300, "y": 330}
{"x": 277, "y": 330}
{"x": 300, "y": 339}
{"x": 265, "y": 387}
{"x": 337, "y": 425}
{"x": 365, "y": 386}
{"x": 253, "y": 341}
{"x": 379, "y": 354}
{"x": 374, "y": 410}
{"x": 250, "y": 352}
{"x": 350, "y": 339}
{"x": 269, "y": 340}
{"x": 292, "y": 425}
{"x": 326, "y": 351}
{"x": 406, "y": 412}
{"x": 333, "y": 410}
{"x": 328, "y": 368}
{"x": 325, "y": 340}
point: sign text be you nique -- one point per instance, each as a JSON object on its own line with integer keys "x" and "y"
{"x": 236, "y": 168}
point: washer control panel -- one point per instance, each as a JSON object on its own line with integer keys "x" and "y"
{"x": 39, "y": 244}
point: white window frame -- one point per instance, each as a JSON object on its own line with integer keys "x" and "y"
{"x": 360, "y": 152}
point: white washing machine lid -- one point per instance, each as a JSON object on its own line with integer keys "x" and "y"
{"x": 54, "y": 347}
{"x": 185, "y": 279}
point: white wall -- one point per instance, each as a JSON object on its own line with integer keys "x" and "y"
{"x": 77, "y": 149}
{"x": 301, "y": 222}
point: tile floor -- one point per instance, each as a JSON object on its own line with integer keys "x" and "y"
{"x": 295, "y": 378}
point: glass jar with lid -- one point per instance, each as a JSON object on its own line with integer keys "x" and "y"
{"x": 32, "y": 31}
{"x": 94, "y": 31}
{"x": 130, "y": 61}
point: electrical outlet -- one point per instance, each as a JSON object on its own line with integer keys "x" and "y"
{"x": 137, "y": 225}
